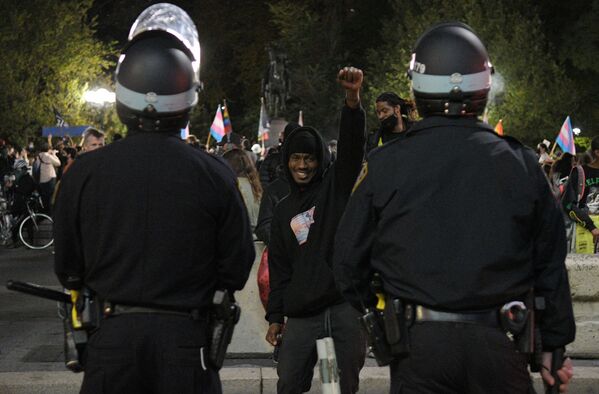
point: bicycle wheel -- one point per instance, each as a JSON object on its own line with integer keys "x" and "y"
{"x": 36, "y": 231}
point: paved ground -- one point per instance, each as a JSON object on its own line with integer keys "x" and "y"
{"x": 31, "y": 359}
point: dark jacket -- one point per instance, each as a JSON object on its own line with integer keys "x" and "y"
{"x": 273, "y": 193}
{"x": 269, "y": 168}
{"x": 301, "y": 279}
{"x": 152, "y": 221}
{"x": 471, "y": 227}
{"x": 575, "y": 201}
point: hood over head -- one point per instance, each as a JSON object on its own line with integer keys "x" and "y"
{"x": 305, "y": 140}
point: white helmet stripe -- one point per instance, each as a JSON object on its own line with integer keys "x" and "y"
{"x": 426, "y": 83}
{"x": 162, "y": 103}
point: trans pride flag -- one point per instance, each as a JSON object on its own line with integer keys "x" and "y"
{"x": 217, "y": 130}
{"x": 565, "y": 138}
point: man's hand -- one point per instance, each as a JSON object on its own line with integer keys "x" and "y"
{"x": 565, "y": 373}
{"x": 351, "y": 78}
{"x": 271, "y": 335}
{"x": 595, "y": 233}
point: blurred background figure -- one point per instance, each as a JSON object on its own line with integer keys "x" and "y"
{"x": 248, "y": 182}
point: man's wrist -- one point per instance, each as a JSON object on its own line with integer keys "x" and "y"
{"x": 352, "y": 100}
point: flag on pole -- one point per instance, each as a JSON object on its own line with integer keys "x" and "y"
{"x": 227, "y": 120}
{"x": 217, "y": 130}
{"x": 300, "y": 118}
{"x": 264, "y": 123}
{"x": 60, "y": 122}
{"x": 565, "y": 138}
{"x": 499, "y": 127}
{"x": 185, "y": 132}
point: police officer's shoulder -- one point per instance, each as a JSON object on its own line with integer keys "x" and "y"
{"x": 388, "y": 148}
{"x": 515, "y": 143}
{"x": 215, "y": 163}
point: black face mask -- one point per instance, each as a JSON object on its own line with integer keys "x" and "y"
{"x": 389, "y": 123}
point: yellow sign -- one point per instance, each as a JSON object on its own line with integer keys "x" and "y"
{"x": 584, "y": 239}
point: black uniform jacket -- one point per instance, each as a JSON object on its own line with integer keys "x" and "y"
{"x": 152, "y": 221}
{"x": 301, "y": 278}
{"x": 456, "y": 218}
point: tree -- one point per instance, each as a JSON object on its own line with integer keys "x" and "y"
{"x": 532, "y": 103}
{"x": 49, "y": 58}
{"x": 319, "y": 38}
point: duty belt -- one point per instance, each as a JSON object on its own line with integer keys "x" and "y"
{"x": 111, "y": 309}
{"x": 487, "y": 318}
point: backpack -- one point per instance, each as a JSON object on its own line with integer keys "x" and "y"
{"x": 36, "y": 170}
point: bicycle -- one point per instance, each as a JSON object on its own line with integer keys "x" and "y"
{"x": 35, "y": 229}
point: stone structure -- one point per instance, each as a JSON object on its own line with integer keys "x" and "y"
{"x": 583, "y": 271}
{"x": 584, "y": 282}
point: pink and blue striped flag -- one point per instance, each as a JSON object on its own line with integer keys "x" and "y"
{"x": 565, "y": 138}
{"x": 217, "y": 130}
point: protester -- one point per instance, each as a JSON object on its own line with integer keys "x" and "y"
{"x": 276, "y": 190}
{"x": 48, "y": 163}
{"x": 248, "y": 182}
{"x": 92, "y": 139}
{"x": 193, "y": 141}
{"x": 394, "y": 114}
{"x": 302, "y": 230}
{"x": 459, "y": 265}
{"x": 581, "y": 202}
{"x": 272, "y": 161}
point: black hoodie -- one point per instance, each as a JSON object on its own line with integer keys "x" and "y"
{"x": 301, "y": 278}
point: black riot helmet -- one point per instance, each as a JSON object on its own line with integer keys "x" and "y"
{"x": 450, "y": 71}
{"x": 157, "y": 77}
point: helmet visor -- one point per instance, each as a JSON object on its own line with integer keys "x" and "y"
{"x": 173, "y": 20}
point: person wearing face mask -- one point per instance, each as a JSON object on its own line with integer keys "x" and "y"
{"x": 393, "y": 113}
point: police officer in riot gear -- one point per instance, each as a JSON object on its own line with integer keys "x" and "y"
{"x": 152, "y": 226}
{"x": 462, "y": 243}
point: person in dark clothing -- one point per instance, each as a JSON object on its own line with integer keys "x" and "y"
{"x": 273, "y": 194}
{"x": 302, "y": 230}
{"x": 581, "y": 196}
{"x": 454, "y": 253}
{"x": 21, "y": 189}
{"x": 277, "y": 189}
{"x": 270, "y": 167}
{"x": 394, "y": 114}
{"x": 152, "y": 226}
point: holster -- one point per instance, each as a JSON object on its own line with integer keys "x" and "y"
{"x": 372, "y": 321}
{"x": 223, "y": 318}
{"x": 523, "y": 327}
{"x": 397, "y": 318}
{"x": 80, "y": 319}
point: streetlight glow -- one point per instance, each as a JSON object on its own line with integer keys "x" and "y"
{"x": 100, "y": 96}
{"x": 576, "y": 130}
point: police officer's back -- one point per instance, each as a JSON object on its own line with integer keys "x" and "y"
{"x": 152, "y": 226}
{"x": 458, "y": 236}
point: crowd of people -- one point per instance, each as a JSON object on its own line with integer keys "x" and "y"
{"x": 26, "y": 170}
